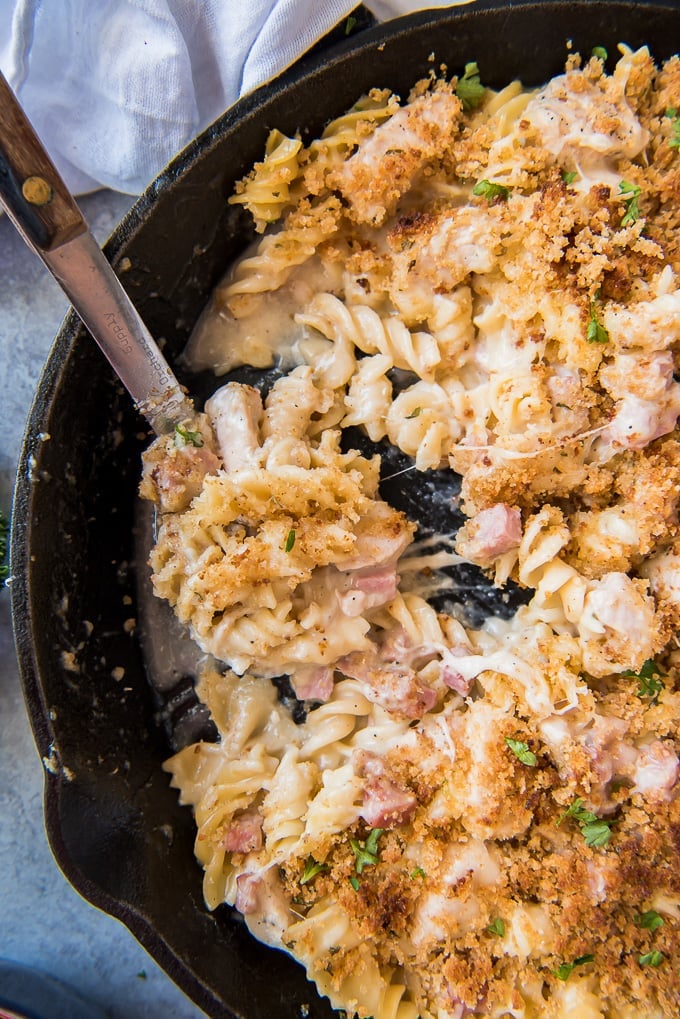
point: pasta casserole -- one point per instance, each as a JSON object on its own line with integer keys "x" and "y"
{"x": 446, "y": 820}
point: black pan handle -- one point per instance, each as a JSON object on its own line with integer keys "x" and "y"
{"x": 30, "y": 186}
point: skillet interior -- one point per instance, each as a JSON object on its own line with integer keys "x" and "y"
{"x": 113, "y": 823}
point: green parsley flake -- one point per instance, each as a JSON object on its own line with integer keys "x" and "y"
{"x": 4, "y": 533}
{"x": 596, "y": 332}
{"x": 349, "y": 25}
{"x": 654, "y": 958}
{"x": 578, "y": 811}
{"x": 418, "y": 872}
{"x": 564, "y": 971}
{"x": 355, "y": 883}
{"x": 674, "y": 117}
{"x": 366, "y": 853}
{"x": 595, "y": 831}
{"x": 599, "y": 52}
{"x": 650, "y": 920}
{"x": 312, "y": 868}
{"x": 414, "y": 413}
{"x": 497, "y": 927}
{"x": 469, "y": 89}
{"x": 290, "y": 541}
{"x": 632, "y": 213}
{"x": 522, "y": 752}
{"x": 569, "y": 176}
{"x": 185, "y": 437}
{"x": 650, "y": 679}
{"x": 491, "y": 191}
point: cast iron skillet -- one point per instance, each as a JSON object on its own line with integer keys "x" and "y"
{"x": 114, "y": 825}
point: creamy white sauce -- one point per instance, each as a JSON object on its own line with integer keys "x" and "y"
{"x": 265, "y": 332}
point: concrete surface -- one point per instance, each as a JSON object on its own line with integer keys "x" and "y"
{"x": 44, "y": 923}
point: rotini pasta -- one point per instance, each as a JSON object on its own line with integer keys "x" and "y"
{"x": 267, "y": 192}
{"x": 455, "y": 820}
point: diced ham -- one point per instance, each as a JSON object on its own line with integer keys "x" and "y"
{"x": 492, "y": 533}
{"x": 178, "y": 477}
{"x": 454, "y": 680}
{"x": 370, "y": 588}
{"x": 312, "y": 683}
{"x": 396, "y": 687}
{"x": 385, "y": 803}
{"x": 262, "y": 901}
{"x": 638, "y": 422}
{"x": 235, "y": 411}
{"x": 248, "y": 888}
{"x": 657, "y": 771}
{"x": 397, "y": 646}
{"x": 244, "y": 833}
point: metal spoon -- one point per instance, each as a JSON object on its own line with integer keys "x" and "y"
{"x": 46, "y": 215}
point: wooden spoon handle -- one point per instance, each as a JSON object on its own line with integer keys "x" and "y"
{"x": 30, "y": 186}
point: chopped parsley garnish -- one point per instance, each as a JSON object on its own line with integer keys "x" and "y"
{"x": 654, "y": 958}
{"x": 595, "y": 831}
{"x": 650, "y": 679}
{"x": 599, "y": 52}
{"x": 650, "y": 920}
{"x": 366, "y": 853}
{"x": 414, "y": 413}
{"x": 417, "y": 872}
{"x": 497, "y": 927}
{"x": 290, "y": 541}
{"x": 522, "y": 752}
{"x": 469, "y": 89}
{"x": 349, "y": 24}
{"x": 487, "y": 189}
{"x": 355, "y": 883}
{"x": 312, "y": 868}
{"x": 674, "y": 140}
{"x": 564, "y": 971}
{"x": 185, "y": 437}
{"x": 596, "y": 332}
{"x": 4, "y": 567}
{"x": 569, "y": 176}
{"x": 632, "y": 213}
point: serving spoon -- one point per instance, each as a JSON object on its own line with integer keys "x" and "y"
{"x": 44, "y": 212}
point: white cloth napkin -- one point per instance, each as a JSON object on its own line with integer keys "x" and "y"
{"x": 115, "y": 88}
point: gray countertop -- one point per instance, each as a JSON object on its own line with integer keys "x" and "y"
{"x": 45, "y": 923}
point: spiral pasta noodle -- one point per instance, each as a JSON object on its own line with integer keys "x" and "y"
{"x": 266, "y": 193}
{"x": 278, "y": 254}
